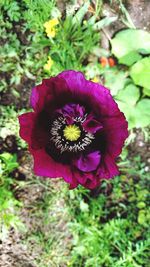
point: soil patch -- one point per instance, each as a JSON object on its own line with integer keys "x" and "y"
{"x": 24, "y": 91}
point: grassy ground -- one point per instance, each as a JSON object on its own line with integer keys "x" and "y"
{"x": 43, "y": 223}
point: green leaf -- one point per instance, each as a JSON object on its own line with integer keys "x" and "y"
{"x": 141, "y": 205}
{"x": 128, "y": 112}
{"x": 115, "y": 80}
{"x": 136, "y": 113}
{"x": 84, "y": 206}
{"x": 142, "y": 113}
{"x": 128, "y": 44}
{"x": 146, "y": 91}
{"x": 142, "y": 217}
{"x": 80, "y": 13}
{"x": 140, "y": 72}
{"x": 130, "y": 95}
{"x": 130, "y": 58}
{"x": 104, "y": 22}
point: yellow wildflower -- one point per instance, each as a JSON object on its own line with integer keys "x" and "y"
{"x": 49, "y": 64}
{"x": 95, "y": 80}
{"x": 50, "y": 27}
{"x": 85, "y": 22}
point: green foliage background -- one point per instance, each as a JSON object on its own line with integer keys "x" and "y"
{"x": 107, "y": 227}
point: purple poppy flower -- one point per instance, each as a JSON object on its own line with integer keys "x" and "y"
{"x": 76, "y": 130}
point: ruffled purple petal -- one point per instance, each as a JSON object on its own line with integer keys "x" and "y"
{"x": 116, "y": 132}
{"x": 91, "y": 125}
{"x": 40, "y": 137}
{"x": 27, "y": 123}
{"x": 75, "y": 81}
{"x": 91, "y": 184}
{"x": 71, "y": 111}
{"x": 92, "y": 94}
{"x": 108, "y": 168}
{"x": 49, "y": 94}
{"x": 45, "y": 166}
{"x": 88, "y": 180}
{"x": 41, "y": 94}
{"x": 89, "y": 162}
{"x": 91, "y": 180}
{"x": 81, "y": 177}
{"x": 32, "y": 130}
{"x": 73, "y": 185}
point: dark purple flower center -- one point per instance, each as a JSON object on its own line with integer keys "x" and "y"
{"x": 74, "y": 131}
{"x": 65, "y": 144}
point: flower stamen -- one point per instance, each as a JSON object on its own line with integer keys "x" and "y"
{"x": 70, "y": 138}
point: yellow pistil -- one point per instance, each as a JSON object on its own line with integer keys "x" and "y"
{"x": 50, "y": 27}
{"x": 72, "y": 132}
{"x": 49, "y": 64}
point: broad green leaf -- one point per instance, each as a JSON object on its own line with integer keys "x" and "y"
{"x": 146, "y": 91}
{"x": 128, "y": 112}
{"x": 130, "y": 58}
{"x": 136, "y": 113}
{"x": 142, "y": 112}
{"x": 128, "y": 44}
{"x": 115, "y": 80}
{"x": 130, "y": 94}
{"x": 140, "y": 72}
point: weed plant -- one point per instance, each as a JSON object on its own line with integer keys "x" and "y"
{"x": 112, "y": 228}
{"x": 9, "y": 206}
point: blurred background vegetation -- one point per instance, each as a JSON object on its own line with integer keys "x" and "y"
{"x": 42, "y": 223}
